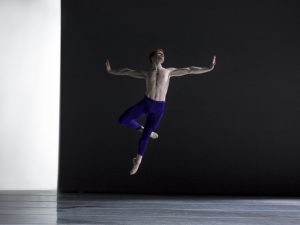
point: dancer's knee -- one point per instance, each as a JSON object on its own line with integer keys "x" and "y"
{"x": 122, "y": 120}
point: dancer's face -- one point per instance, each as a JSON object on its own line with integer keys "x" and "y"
{"x": 159, "y": 56}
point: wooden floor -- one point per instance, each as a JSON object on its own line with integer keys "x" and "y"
{"x": 48, "y": 207}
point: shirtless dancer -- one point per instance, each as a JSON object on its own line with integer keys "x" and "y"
{"x": 153, "y": 102}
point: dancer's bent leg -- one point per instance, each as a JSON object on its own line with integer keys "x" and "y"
{"x": 128, "y": 118}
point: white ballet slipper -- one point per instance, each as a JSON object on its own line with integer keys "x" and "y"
{"x": 153, "y": 135}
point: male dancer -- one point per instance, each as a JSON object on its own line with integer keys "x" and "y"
{"x": 153, "y": 102}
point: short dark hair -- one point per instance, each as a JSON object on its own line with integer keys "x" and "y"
{"x": 153, "y": 53}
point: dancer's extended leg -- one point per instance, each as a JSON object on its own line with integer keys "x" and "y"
{"x": 151, "y": 124}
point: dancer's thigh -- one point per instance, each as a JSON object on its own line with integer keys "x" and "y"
{"x": 152, "y": 122}
{"x": 134, "y": 111}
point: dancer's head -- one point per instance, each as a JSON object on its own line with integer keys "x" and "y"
{"x": 157, "y": 56}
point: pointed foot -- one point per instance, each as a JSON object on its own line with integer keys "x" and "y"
{"x": 135, "y": 166}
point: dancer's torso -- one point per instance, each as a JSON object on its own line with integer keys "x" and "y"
{"x": 157, "y": 83}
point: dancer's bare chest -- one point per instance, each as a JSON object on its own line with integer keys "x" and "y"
{"x": 158, "y": 77}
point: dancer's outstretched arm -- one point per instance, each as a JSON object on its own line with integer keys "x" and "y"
{"x": 175, "y": 72}
{"x": 125, "y": 71}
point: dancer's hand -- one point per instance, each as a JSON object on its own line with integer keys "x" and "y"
{"x": 108, "y": 68}
{"x": 213, "y": 63}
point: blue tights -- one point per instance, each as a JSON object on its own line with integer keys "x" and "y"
{"x": 154, "y": 109}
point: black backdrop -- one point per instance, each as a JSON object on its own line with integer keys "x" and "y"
{"x": 234, "y": 130}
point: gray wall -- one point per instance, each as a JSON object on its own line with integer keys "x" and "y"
{"x": 234, "y": 130}
{"x": 29, "y": 94}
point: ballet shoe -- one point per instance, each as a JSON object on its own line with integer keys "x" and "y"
{"x": 153, "y": 134}
{"x": 135, "y": 166}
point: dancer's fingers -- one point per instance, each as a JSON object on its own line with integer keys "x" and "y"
{"x": 214, "y": 60}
